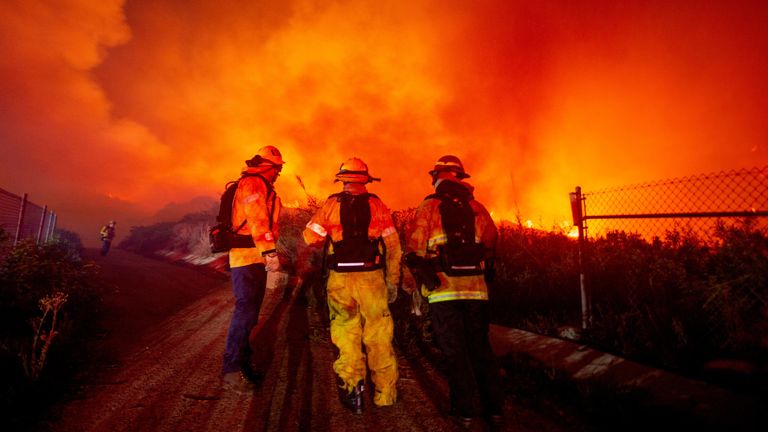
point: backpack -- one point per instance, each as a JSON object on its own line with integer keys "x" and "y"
{"x": 461, "y": 255}
{"x": 107, "y": 232}
{"x": 355, "y": 251}
{"x": 222, "y": 237}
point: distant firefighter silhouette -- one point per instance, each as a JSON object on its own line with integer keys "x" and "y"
{"x": 107, "y": 233}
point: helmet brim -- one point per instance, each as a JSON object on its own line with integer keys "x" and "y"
{"x": 355, "y": 177}
{"x": 459, "y": 174}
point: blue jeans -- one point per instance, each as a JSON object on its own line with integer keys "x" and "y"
{"x": 248, "y": 285}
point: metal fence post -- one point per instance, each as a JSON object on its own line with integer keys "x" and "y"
{"x": 51, "y": 226}
{"x": 577, "y": 210}
{"x": 22, "y": 209}
{"x": 42, "y": 224}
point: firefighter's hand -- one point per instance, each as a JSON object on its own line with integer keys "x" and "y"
{"x": 391, "y": 292}
{"x": 271, "y": 262}
{"x": 416, "y": 301}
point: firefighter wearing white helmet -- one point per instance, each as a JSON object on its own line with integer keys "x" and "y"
{"x": 255, "y": 210}
{"x": 363, "y": 255}
{"x": 450, "y": 248}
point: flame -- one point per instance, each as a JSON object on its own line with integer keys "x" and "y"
{"x": 165, "y": 100}
{"x": 569, "y": 229}
{"x": 529, "y": 224}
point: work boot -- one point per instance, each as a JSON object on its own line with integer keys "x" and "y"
{"x": 496, "y": 421}
{"x": 251, "y": 374}
{"x": 353, "y": 400}
{"x": 463, "y": 422}
{"x": 238, "y": 383}
{"x": 383, "y": 398}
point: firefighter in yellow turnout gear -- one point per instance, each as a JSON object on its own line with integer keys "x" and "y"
{"x": 363, "y": 256}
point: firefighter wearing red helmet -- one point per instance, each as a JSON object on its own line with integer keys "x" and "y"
{"x": 449, "y": 249}
{"x": 255, "y": 210}
{"x": 362, "y": 256}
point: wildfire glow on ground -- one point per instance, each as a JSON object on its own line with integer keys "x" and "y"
{"x": 111, "y": 109}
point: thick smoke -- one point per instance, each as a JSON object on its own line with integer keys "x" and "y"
{"x": 110, "y": 107}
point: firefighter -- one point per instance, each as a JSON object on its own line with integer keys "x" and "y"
{"x": 449, "y": 249}
{"x": 255, "y": 209}
{"x": 107, "y": 234}
{"x": 362, "y": 259}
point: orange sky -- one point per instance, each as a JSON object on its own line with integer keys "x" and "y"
{"x": 112, "y": 109}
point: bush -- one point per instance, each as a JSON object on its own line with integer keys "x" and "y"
{"x": 70, "y": 240}
{"x": 149, "y": 239}
{"x": 38, "y": 283}
{"x": 678, "y": 302}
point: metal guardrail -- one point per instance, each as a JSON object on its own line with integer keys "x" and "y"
{"x": 24, "y": 219}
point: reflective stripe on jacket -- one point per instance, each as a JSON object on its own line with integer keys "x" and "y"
{"x": 425, "y": 233}
{"x": 327, "y": 222}
{"x": 255, "y": 203}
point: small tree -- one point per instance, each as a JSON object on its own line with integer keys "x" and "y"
{"x": 33, "y": 358}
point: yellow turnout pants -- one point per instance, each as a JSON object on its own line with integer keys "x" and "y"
{"x": 360, "y": 313}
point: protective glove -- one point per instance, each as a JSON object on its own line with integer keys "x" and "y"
{"x": 271, "y": 262}
{"x": 422, "y": 271}
{"x": 391, "y": 292}
{"x": 490, "y": 271}
{"x": 416, "y": 301}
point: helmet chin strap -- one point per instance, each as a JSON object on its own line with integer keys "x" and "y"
{"x": 273, "y": 173}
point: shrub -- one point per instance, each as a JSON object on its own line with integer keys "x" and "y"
{"x": 70, "y": 240}
{"x": 51, "y": 288}
{"x": 679, "y": 301}
{"x": 149, "y": 239}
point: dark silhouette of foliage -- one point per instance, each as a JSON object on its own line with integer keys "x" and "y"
{"x": 49, "y": 309}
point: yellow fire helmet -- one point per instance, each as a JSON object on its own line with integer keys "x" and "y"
{"x": 354, "y": 170}
{"x": 267, "y": 155}
{"x": 449, "y": 163}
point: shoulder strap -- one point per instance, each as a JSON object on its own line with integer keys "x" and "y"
{"x": 355, "y": 215}
{"x": 339, "y": 195}
{"x": 270, "y": 194}
{"x": 269, "y": 186}
{"x": 456, "y": 215}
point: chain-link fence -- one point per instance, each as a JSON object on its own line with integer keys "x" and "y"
{"x": 694, "y": 203}
{"x": 22, "y": 219}
{"x": 678, "y": 267}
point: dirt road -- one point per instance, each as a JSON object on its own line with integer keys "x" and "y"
{"x": 168, "y": 338}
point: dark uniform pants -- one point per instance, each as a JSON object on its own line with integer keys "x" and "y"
{"x": 105, "y": 244}
{"x": 461, "y": 328}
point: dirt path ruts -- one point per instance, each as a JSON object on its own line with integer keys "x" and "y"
{"x": 166, "y": 377}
